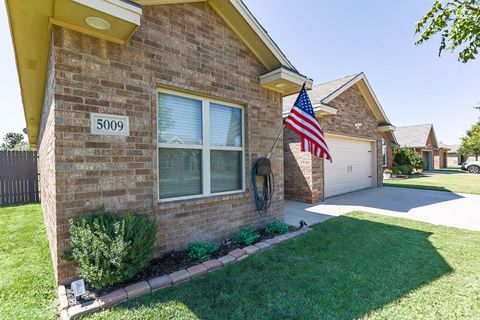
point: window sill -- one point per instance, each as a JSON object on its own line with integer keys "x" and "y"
{"x": 199, "y": 199}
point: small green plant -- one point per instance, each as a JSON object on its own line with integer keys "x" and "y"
{"x": 276, "y": 227}
{"x": 110, "y": 249}
{"x": 201, "y": 251}
{"x": 246, "y": 235}
{"x": 387, "y": 171}
{"x": 405, "y": 169}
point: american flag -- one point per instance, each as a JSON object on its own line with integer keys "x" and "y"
{"x": 303, "y": 121}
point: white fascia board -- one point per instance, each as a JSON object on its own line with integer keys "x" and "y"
{"x": 285, "y": 74}
{"x": 117, "y": 8}
{"x": 250, "y": 19}
{"x": 375, "y": 97}
{"x": 345, "y": 87}
{"x": 326, "y": 110}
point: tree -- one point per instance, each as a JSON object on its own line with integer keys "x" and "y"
{"x": 406, "y": 156}
{"x": 12, "y": 141}
{"x": 458, "y": 23}
{"x": 471, "y": 142}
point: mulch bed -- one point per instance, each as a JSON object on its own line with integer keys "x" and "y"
{"x": 165, "y": 264}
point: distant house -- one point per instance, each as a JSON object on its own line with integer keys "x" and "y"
{"x": 422, "y": 139}
{"x": 453, "y": 157}
{"x": 359, "y": 136}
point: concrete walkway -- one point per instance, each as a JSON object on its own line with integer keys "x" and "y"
{"x": 444, "y": 208}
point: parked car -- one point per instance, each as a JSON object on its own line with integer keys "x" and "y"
{"x": 472, "y": 167}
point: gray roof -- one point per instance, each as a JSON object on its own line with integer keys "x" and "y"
{"x": 453, "y": 147}
{"x": 319, "y": 92}
{"x": 415, "y": 136}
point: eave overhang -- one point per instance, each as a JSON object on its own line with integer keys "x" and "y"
{"x": 30, "y": 26}
{"x": 323, "y": 110}
{"x": 285, "y": 81}
{"x": 386, "y": 128}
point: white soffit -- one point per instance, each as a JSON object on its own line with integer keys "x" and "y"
{"x": 117, "y": 8}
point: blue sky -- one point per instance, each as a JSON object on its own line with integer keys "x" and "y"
{"x": 330, "y": 39}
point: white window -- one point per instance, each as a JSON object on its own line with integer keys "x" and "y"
{"x": 200, "y": 147}
{"x": 384, "y": 152}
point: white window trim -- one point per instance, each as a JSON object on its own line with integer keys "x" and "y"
{"x": 205, "y": 147}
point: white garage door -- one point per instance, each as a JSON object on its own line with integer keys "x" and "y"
{"x": 351, "y": 168}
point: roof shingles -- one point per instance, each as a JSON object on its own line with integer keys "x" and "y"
{"x": 319, "y": 92}
{"x": 415, "y": 136}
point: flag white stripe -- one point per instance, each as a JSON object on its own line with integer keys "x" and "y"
{"x": 307, "y": 132}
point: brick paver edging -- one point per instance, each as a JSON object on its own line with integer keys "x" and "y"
{"x": 145, "y": 287}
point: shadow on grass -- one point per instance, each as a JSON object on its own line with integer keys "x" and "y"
{"x": 345, "y": 268}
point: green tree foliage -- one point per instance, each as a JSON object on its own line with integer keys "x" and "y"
{"x": 13, "y": 141}
{"x": 457, "y": 22}
{"x": 407, "y": 157}
{"x": 471, "y": 142}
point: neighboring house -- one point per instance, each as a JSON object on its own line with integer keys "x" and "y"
{"x": 454, "y": 158}
{"x": 423, "y": 140}
{"x": 357, "y": 132}
{"x": 162, "y": 108}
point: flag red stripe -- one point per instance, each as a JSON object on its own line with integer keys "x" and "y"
{"x": 303, "y": 130}
{"x": 314, "y": 127}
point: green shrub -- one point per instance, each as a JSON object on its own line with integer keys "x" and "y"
{"x": 405, "y": 169}
{"x": 110, "y": 249}
{"x": 276, "y": 227}
{"x": 387, "y": 171}
{"x": 246, "y": 235}
{"x": 201, "y": 251}
{"x": 396, "y": 170}
{"x": 407, "y": 156}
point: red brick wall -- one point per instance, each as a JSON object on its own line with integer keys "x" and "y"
{"x": 46, "y": 161}
{"x": 185, "y": 47}
{"x": 304, "y": 179}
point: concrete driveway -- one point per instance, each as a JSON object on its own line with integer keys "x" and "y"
{"x": 444, "y": 208}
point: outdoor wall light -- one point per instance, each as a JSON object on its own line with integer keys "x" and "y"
{"x": 358, "y": 125}
{"x": 97, "y": 23}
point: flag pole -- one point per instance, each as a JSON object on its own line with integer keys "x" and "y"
{"x": 283, "y": 126}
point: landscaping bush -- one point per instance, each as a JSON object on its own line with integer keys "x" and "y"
{"x": 276, "y": 227}
{"x": 201, "y": 251}
{"x": 404, "y": 169}
{"x": 246, "y": 235}
{"x": 111, "y": 249}
{"x": 407, "y": 156}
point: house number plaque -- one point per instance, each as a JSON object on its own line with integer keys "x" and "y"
{"x": 109, "y": 124}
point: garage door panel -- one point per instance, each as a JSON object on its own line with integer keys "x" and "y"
{"x": 351, "y": 168}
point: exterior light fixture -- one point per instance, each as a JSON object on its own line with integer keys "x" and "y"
{"x": 97, "y": 23}
{"x": 281, "y": 85}
{"x": 358, "y": 125}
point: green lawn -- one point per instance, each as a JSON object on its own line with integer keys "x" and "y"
{"x": 27, "y": 285}
{"x": 359, "y": 266}
{"x": 453, "y": 182}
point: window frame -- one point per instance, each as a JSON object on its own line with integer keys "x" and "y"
{"x": 384, "y": 147}
{"x": 205, "y": 147}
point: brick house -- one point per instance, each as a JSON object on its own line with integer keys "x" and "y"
{"x": 453, "y": 157}
{"x": 423, "y": 140}
{"x": 155, "y": 106}
{"x": 359, "y": 136}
